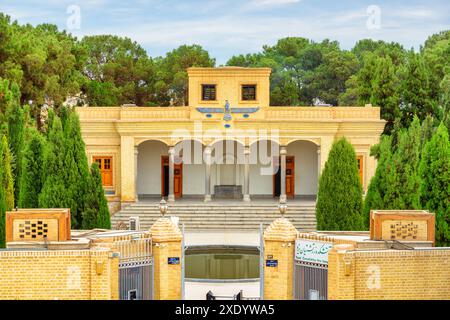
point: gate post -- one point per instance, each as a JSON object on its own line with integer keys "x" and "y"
{"x": 279, "y": 246}
{"x": 166, "y": 239}
{"x": 341, "y": 272}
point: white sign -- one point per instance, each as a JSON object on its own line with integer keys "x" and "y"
{"x": 312, "y": 251}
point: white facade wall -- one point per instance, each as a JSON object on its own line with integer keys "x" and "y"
{"x": 149, "y": 167}
{"x": 306, "y": 166}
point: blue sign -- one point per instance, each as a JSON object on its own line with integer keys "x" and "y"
{"x": 271, "y": 263}
{"x": 173, "y": 260}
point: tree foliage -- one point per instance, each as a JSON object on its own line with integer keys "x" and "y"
{"x": 435, "y": 182}
{"x": 96, "y": 214}
{"x": 339, "y": 200}
{"x": 32, "y": 166}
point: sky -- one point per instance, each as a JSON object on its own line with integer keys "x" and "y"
{"x": 230, "y": 27}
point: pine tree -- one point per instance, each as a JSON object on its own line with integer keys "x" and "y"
{"x": 32, "y": 167}
{"x": 415, "y": 89}
{"x": 96, "y": 214}
{"x": 434, "y": 171}
{"x": 384, "y": 91}
{"x": 339, "y": 200}
{"x": 54, "y": 193}
{"x": 378, "y": 184}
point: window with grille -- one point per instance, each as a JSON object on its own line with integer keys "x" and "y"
{"x": 249, "y": 92}
{"x": 208, "y": 92}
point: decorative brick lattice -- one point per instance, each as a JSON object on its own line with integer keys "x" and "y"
{"x": 35, "y": 229}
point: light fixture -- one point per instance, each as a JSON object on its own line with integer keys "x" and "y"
{"x": 163, "y": 207}
{"x": 282, "y": 207}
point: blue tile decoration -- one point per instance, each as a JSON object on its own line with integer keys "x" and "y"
{"x": 208, "y": 115}
{"x": 222, "y": 110}
{"x": 227, "y": 126}
{"x": 246, "y": 115}
{"x": 244, "y": 110}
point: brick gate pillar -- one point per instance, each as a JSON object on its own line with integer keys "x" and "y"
{"x": 279, "y": 245}
{"x": 166, "y": 241}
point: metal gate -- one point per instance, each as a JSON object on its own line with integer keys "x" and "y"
{"x": 135, "y": 269}
{"x": 311, "y": 269}
{"x": 310, "y": 281}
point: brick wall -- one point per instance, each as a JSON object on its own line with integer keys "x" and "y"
{"x": 389, "y": 274}
{"x": 68, "y": 274}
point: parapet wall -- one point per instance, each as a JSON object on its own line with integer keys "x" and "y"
{"x": 54, "y": 275}
{"x": 388, "y": 274}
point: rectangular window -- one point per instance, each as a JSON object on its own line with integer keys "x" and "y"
{"x": 360, "y": 168}
{"x": 105, "y": 166}
{"x": 208, "y": 92}
{"x": 249, "y": 92}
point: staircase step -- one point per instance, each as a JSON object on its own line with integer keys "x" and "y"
{"x": 220, "y": 216}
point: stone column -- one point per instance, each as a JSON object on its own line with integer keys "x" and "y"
{"x": 318, "y": 164}
{"x": 247, "y": 174}
{"x": 166, "y": 243}
{"x": 207, "y": 173}
{"x": 279, "y": 246}
{"x": 127, "y": 168}
{"x": 171, "y": 196}
{"x": 283, "y": 152}
{"x": 325, "y": 146}
{"x": 136, "y": 151}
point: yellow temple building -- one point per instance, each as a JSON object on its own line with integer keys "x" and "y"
{"x": 227, "y": 143}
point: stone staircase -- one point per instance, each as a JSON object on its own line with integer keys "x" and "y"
{"x": 216, "y": 216}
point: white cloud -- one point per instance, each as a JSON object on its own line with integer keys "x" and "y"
{"x": 273, "y": 2}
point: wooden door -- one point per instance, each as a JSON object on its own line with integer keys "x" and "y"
{"x": 105, "y": 166}
{"x": 360, "y": 160}
{"x": 290, "y": 177}
{"x": 177, "y": 178}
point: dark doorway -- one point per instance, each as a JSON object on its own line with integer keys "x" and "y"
{"x": 277, "y": 183}
{"x": 165, "y": 190}
{"x": 290, "y": 177}
{"x": 177, "y": 178}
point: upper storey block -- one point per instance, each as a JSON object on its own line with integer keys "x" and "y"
{"x": 242, "y": 87}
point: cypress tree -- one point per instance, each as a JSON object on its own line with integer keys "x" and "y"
{"x": 96, "y": 214}
{"x": 32, "y": 175}
{"x": 53, "y": 193}
{"x": 77, "y": 173}
{"x": 434, "y": 171}
{"x": 6, "y": 187}
{"x": 378, "y": 184}
{"x": 16, "y": 124}
{"x": 402, "y": 187}
{"x": 7, "y": 177}
{"x": 339, "y": 200}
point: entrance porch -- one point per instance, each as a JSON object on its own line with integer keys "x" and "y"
{"x": 227, "y": 169}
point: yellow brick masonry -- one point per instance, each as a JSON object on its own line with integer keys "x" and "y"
{"x": 166, "y": 239}
{"x": 279, "y": 240}
{"x": 388, "y": 274}
{"x": 65, "y": 274}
